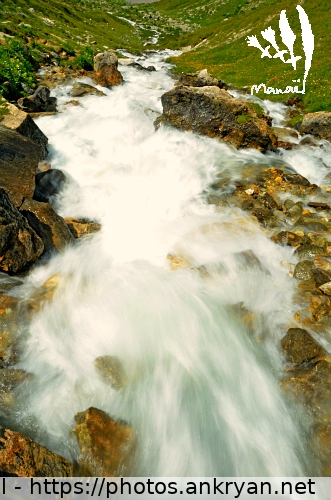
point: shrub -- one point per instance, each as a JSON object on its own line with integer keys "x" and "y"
{"x": 85, "y": 59}
{"x": 16, "y": 67}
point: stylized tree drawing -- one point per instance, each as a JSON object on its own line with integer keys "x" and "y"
{"x": 288, "y": 38}
{"x": 307, "y": 41}
{"x": 269, "y": 35}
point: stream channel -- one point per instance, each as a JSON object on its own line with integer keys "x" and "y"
{"x": 202, "y": 392}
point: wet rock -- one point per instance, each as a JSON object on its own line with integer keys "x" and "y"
{"x": 111, "y": 371}
{"x": 296, "y": 179}
{"x": 39, "y": 101}
{"x": 10, "y": 378}
{"x": 312, "y": 222}
{"x": 106, "y": 446}
{"x": 322, "y": 263}
{"x": 319, "y": 205}
{"x": 80, "y": 89}
{"x": 139, "y": 67}
{"x": 287, "y": 238}
{"x": 44, "y": 294}
{"x": 49, "y": 184}
{"x": 285, "y": 134}
{"x": 201, "y": 79}
{"x": 300, "y": 347}
{"x": 326, "y": 288}
{"x": 21, "y": 122}
{"x": 214, "y": 112}
{"x": 22, "y": 457}
{"x": 20, "y": 246}
{"x": 308, "y": 251}
{"x": 318, "y": 124}
{"x": 106, "y": 72}
{"x": 19, "y": 158}
{"x": 247, "y": 205}
{"x": 50, "y": 227}
{"x": 81, "y": 227}
{"x": 304, "y": 270}
{"x": 321, "y": 277}
{"x": 311, "y": 384}
{"x": 178, "y": 261}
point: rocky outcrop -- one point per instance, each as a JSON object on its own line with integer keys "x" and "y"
{"x": 106, "y": 446}
{"x": 39, "y": 101}
{"x": 318, "y": 124}
{"x": 49, "y": 184}
{"x": 80, "y": 89}
{"x": 22, "y": 457}
{"x": 51, "y": 228}
{"x": 201, "y": 79}
{"x": 19, "y": 158}
{"x": 213, "y": 112}
{"x": 106, "y": 73}
{"x": 21, "y": 122}
{"x": 81, "y": 227}
{"x": 300, "y": 347}
{"x": 20, "y": 246}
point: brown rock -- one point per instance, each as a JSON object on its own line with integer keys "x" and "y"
{"x": 326, "y": 288}
{"x": 19, "y": 158}
{"x": 39, "y": 102}
{"x": 80, "y": 227}
{"x": 21, "y": 456}
{"x": 300, "y": 347}
{"x": 106, "y": 73}
{"x": 21, "y": 122}
{"x": 201, "y": 79}
{"x": 106, "y": 446}
{"x": 287, "y": 238}
{"x": 51, "y": 228}
{"x": 318, "y": 124}
{"x": 80, "y": 89}
{"x": 20, "y": 246}
{"x": 214, "y": 112}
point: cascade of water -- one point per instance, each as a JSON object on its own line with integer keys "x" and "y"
{"x": 202, "y": 393}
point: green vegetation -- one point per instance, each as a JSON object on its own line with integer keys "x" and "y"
{"x": 16, "y": 68}
{"x": 244, "y": 118}
{"x": 213, "y": 31}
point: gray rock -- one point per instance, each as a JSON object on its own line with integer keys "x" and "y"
{"x": 49, "y": 184}
{"x": 318, "y": 124}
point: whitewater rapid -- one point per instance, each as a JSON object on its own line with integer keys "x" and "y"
{"x": 203, "y": 394}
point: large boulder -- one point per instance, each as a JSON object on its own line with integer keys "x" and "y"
{"x": 80, "y": 89}
{"x": 19, "y": 158}
{"x": 21, "y": 122}
{"x": 20, "y": 246}
{"x": 49, "y": 184}
{"x": 51, "y": 228}
{"x": 39, "y": 101}
{"x": 201, "y": 79}
{"x": 106, "y": 446}
{"x": 213, "y": 112}
{"x": 22, "y": 457}
{"x": 106, "y": 73}
{"x": 318, "y": 124}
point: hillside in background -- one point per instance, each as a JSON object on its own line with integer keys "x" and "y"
{"x": 213, "y": 33}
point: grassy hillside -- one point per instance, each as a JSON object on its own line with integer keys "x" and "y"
{"x": 220, "y": 32}
{"x": 216, "y": 30}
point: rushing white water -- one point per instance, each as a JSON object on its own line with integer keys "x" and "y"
{"x": 202, "y": 393}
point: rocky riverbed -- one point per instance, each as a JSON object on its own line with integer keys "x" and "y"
{"x": 248, "y": 200}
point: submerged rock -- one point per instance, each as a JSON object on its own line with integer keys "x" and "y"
{"x": 39, "y": 101}
{"x": 19, "y": 158}
{"x": 214, "y": 112}
{"x": 111, "y": 371}
{"x": 106, "y": 446}
{"x": 106, "y": 73}
{"x": 22, "y": 457}
{"x": 81, "y": 227}
{"x": 51, "y": 228}
{"x": 21, "y": 122}
{"x": 20, "y": 246}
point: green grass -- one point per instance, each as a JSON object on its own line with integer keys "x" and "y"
{"x": 216, "y": 30}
